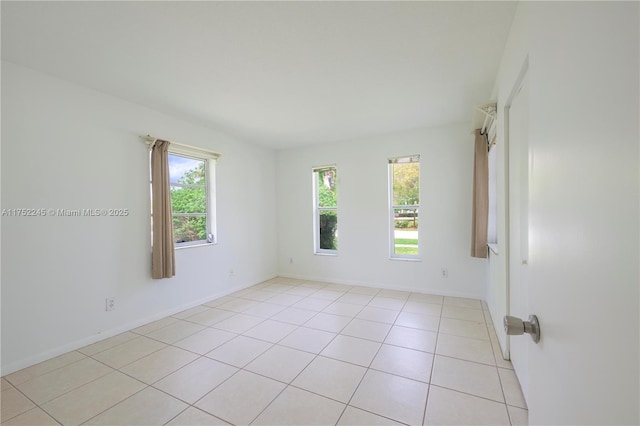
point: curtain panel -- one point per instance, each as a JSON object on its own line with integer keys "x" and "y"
{"x": 163, "y": 254}
{"x": 480, "y": 216}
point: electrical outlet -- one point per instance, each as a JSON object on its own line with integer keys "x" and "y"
{"x": 110, "y": 304}
{"x": 445, "y": 273}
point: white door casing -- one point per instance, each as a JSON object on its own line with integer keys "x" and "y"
{"x": 517, "y": 114}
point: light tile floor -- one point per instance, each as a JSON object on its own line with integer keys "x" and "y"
{"x": 283, "y": 352}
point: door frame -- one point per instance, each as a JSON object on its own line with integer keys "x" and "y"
{"x": 507, "y": 187}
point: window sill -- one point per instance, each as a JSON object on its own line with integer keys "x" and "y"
{"x": 194, "y": 245}
{"x": 406, "y": 259}
{"x": 325, "y": 254}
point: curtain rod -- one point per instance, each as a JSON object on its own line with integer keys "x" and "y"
{"x": 490, "y": 111}
{"x": 151, "y": 141}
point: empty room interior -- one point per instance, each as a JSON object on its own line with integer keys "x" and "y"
{"x": 334, "y": 213}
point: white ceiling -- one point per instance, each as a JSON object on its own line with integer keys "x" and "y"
{"x": 276, "y": 73}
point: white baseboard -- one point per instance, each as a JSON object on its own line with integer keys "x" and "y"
{"x": 383, "y": 286}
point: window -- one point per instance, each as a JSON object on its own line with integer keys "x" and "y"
{"x": 325, "y": 202}
{"x": 404, "y": 206}
{"x": 189, "y": 200}
{"x": 192, "y": 186}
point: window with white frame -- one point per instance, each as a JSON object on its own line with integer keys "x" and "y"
{"x": 404, "y": 207}
{"x": 192, "y": 186}
{"x": 325, "y": 217}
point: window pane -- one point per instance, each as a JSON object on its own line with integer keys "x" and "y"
{"x": 188, "y": 195}
{"x": 327, "y": 188}
{"x": 406, "y": 184}
{"x": 405, "y": 231}
{"x": 188, "y": 200}
{"x": 328, "y": 230}
{"x": 187, "y": 229}
{"x": 186, "y": 170}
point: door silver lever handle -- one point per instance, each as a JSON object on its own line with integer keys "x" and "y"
{"x": 514, "y": 326}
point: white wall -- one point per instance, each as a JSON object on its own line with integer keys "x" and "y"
{"x": 446, "y": 157}
{"x": 584, "y": 207}
{"x": 64, "y": 146}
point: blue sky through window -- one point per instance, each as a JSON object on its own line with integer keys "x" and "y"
{"x": 178, "y": 166}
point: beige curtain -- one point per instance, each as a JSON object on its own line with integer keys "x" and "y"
{"x": 163, "y": 257}
{"x": 480, "y": 197}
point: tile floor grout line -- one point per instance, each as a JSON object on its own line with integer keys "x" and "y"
{"x": 70, "y": 390}
{"x": 368, "y": 368}
{"x": 110, "y": 347}
{"x": 153, "y": 385}
{"x": 504, "y": 396}
{"x": 193, "y": 404}
{"x": 151, "y": 322}
{"x": 307, "y": 366}
{"x": 467, "y": 360}
{"x": 6, "y": 377}
{"x": 177, "y": 415}
{"x": 29, "y": 399}
{"x": 364, "y": 409}
{"x": 290, "y": 384}
{"x": 432, "y": 359}
{"x": 199, "y": 354}
{"x": 470, "y": 394}
{"x": 248, "y": 362}
{"x": 161, "y": 378}
{"x": 399, "y": 375}
{"x": 433, "y": 362}
{"x": 457, "y": 335}
{"x": 181, "y": 338}
{"x": 137, "y": 359}
{"x": 198, "y": 409}
{"x": 348, "y": 404}
{"x": 117, "y": 403}
{"x": 47, "y": 413}
{"x": 286, "y": 385}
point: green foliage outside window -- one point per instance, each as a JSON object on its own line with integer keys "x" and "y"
{"x": 406, "y": 202}
{"x": 328, "y": 219}
{"x": 190, "y": 199}
{"x": 406, "y": 184}
{"x": 327, "y": 197}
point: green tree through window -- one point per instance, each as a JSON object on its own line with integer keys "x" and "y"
{"x": 405, "y": 205}
{"x": 326, "y": 209}
{"x": 188, "y": 199}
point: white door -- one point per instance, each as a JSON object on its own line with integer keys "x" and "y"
{"x": 518, "y": 151}
{"x": 582, "y": 279}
